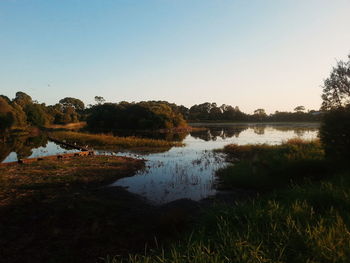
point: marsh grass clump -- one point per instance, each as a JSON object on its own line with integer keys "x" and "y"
{"x": 110, "y": 141}
{"x": 265, "y": 167}
{"x": 292, "y": 149}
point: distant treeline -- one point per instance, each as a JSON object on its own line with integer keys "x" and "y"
{"x": 23, "y": 111}
{"x": 212, "y": 112}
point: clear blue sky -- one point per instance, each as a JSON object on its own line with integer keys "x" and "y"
{"x": 254, "y": 54}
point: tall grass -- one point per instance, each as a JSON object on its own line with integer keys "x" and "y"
{"x": 102, "y": 140}
{"x": 266, "y": 167}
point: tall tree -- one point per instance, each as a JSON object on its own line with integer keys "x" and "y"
{"x": 23, "y": 99}
{"x": 73, "y": 102}
{"x": 99, "y": 100}
{"x": 259, "y": 114}
{"x": 299, "y": 109}
{"x": 336, "y": 88}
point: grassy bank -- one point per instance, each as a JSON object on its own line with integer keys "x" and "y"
{"x": 112, "y": 142}
{"x": 302, "y": 217}
{"x": 267, "y": 167}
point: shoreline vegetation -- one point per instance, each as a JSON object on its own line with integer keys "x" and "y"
{"x": 22, "y": 141}
{"x": 265, "y": 167}
{"x": 298, "y": 214}
{"x": 106, "y": 141}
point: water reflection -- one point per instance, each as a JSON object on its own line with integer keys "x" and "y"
{"x": 169, "y": 136}
{"x": 224, "y": 131}
{"x": 20, "y": 147}
{"x": 213, "y": 133}
{"x": 188, "y": 172}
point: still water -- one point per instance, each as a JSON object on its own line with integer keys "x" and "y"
{"x": 181, "y": 172}
{"x": 189, "y": 171}
{"x": 30, "y": 147}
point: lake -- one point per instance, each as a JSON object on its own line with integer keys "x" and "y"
{"x": 189, "y": 171}
{"x": 181, "y": 172}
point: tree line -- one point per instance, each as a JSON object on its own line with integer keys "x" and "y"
{"x": 212, "y": 112}
{"x": 23, "y": 111}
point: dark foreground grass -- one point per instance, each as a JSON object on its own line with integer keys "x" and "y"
{"x": 60, "y": 211}
{"x": 302, "y": 218}
{"x": 304, "y": 224}
{"x": 64, "y": 211}
{"x": 112, "y": 142}
{"x": 58, "y": 175}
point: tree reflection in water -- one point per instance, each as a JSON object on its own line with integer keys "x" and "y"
{"x": 21, "y": 145}
{"x": 224, "y": 132}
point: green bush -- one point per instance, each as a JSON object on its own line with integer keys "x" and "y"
{"x": 140, "y": 116}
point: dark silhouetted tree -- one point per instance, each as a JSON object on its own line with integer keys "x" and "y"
{"x": 299, "y": 109}
{"x": 335, "y": 133}
{"x": 99, "y": 100}
{"x": 6, "y": 116}
{"x": 336, "y": 88}
{"x": 335, "y": 128}
{"x": 259, "y": 114}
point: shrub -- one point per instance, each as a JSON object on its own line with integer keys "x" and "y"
{"x": 335, "y": 133}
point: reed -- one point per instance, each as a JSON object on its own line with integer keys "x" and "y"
{"x": 110, "y": 141}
